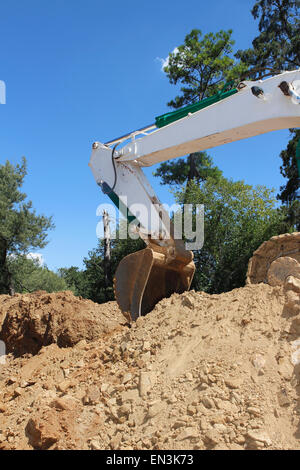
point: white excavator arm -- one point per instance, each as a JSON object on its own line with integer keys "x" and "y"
{"x": 253, "y": 108}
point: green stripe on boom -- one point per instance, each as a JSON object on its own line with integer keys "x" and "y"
{"x": 118, "y": 202}
{"x": 167, "y": 118}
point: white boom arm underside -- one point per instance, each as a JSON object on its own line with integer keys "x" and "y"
{"x": 234, "y": 118}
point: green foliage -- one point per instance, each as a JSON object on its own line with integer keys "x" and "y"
{"x": 21, "y": 229}
{"x": 94, "y": 267}
{"x": 277, "y": 47}
{"x": 94, "y": 272}
{"x": 290, "y": 216}
{"x": 75, "y": 280}
{"x": 289, "y": 169}
{"x": 238, "y": 218}
{"x": 202, "y": 66}
{"x": 198, "y": 166}
{"x": 90, "y": 283}
{"x": 29, "y": 276}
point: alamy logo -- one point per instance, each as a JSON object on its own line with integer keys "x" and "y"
{"x": 2, "y": 92}
{"x": 187, "y": 222}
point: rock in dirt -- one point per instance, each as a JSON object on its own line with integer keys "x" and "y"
{"x": 43, "y": 431}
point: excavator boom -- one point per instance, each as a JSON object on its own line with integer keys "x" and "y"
{"x": 165, "y": 266}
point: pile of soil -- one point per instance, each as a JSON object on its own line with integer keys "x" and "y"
{"x": 198, "y": 372}
{"x": 32, "y": 321}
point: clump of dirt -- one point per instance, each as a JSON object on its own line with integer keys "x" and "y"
{"x": 32, "y": 321}
{"x": 199, "y": 372}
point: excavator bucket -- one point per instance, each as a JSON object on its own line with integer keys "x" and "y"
{"x": 144, "y": 278}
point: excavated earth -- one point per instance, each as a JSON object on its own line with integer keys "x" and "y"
{"x": 199, "y": 372}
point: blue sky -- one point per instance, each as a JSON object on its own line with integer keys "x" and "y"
{"x": 79, "y": 71}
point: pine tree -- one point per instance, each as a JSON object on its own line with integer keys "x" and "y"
{"x": 202, "y": 65}
{"x": 21, "y": 229}
{"x": 277, "y": 47}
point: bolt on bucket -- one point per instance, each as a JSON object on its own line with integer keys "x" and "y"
{"x": 144, "y": 278}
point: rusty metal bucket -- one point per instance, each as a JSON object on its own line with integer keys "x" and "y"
{"x": 144, "y": 278}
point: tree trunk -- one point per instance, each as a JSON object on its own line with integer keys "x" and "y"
{"x": 10, "y": 284}
{"x": 6, "y": 281}
{"x": 193, "y": 171}
{"x": 107, "y": 253}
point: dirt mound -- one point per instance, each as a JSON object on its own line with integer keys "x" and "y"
{"x": 199, "y": 372}
{"x": 39, "y": 319}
